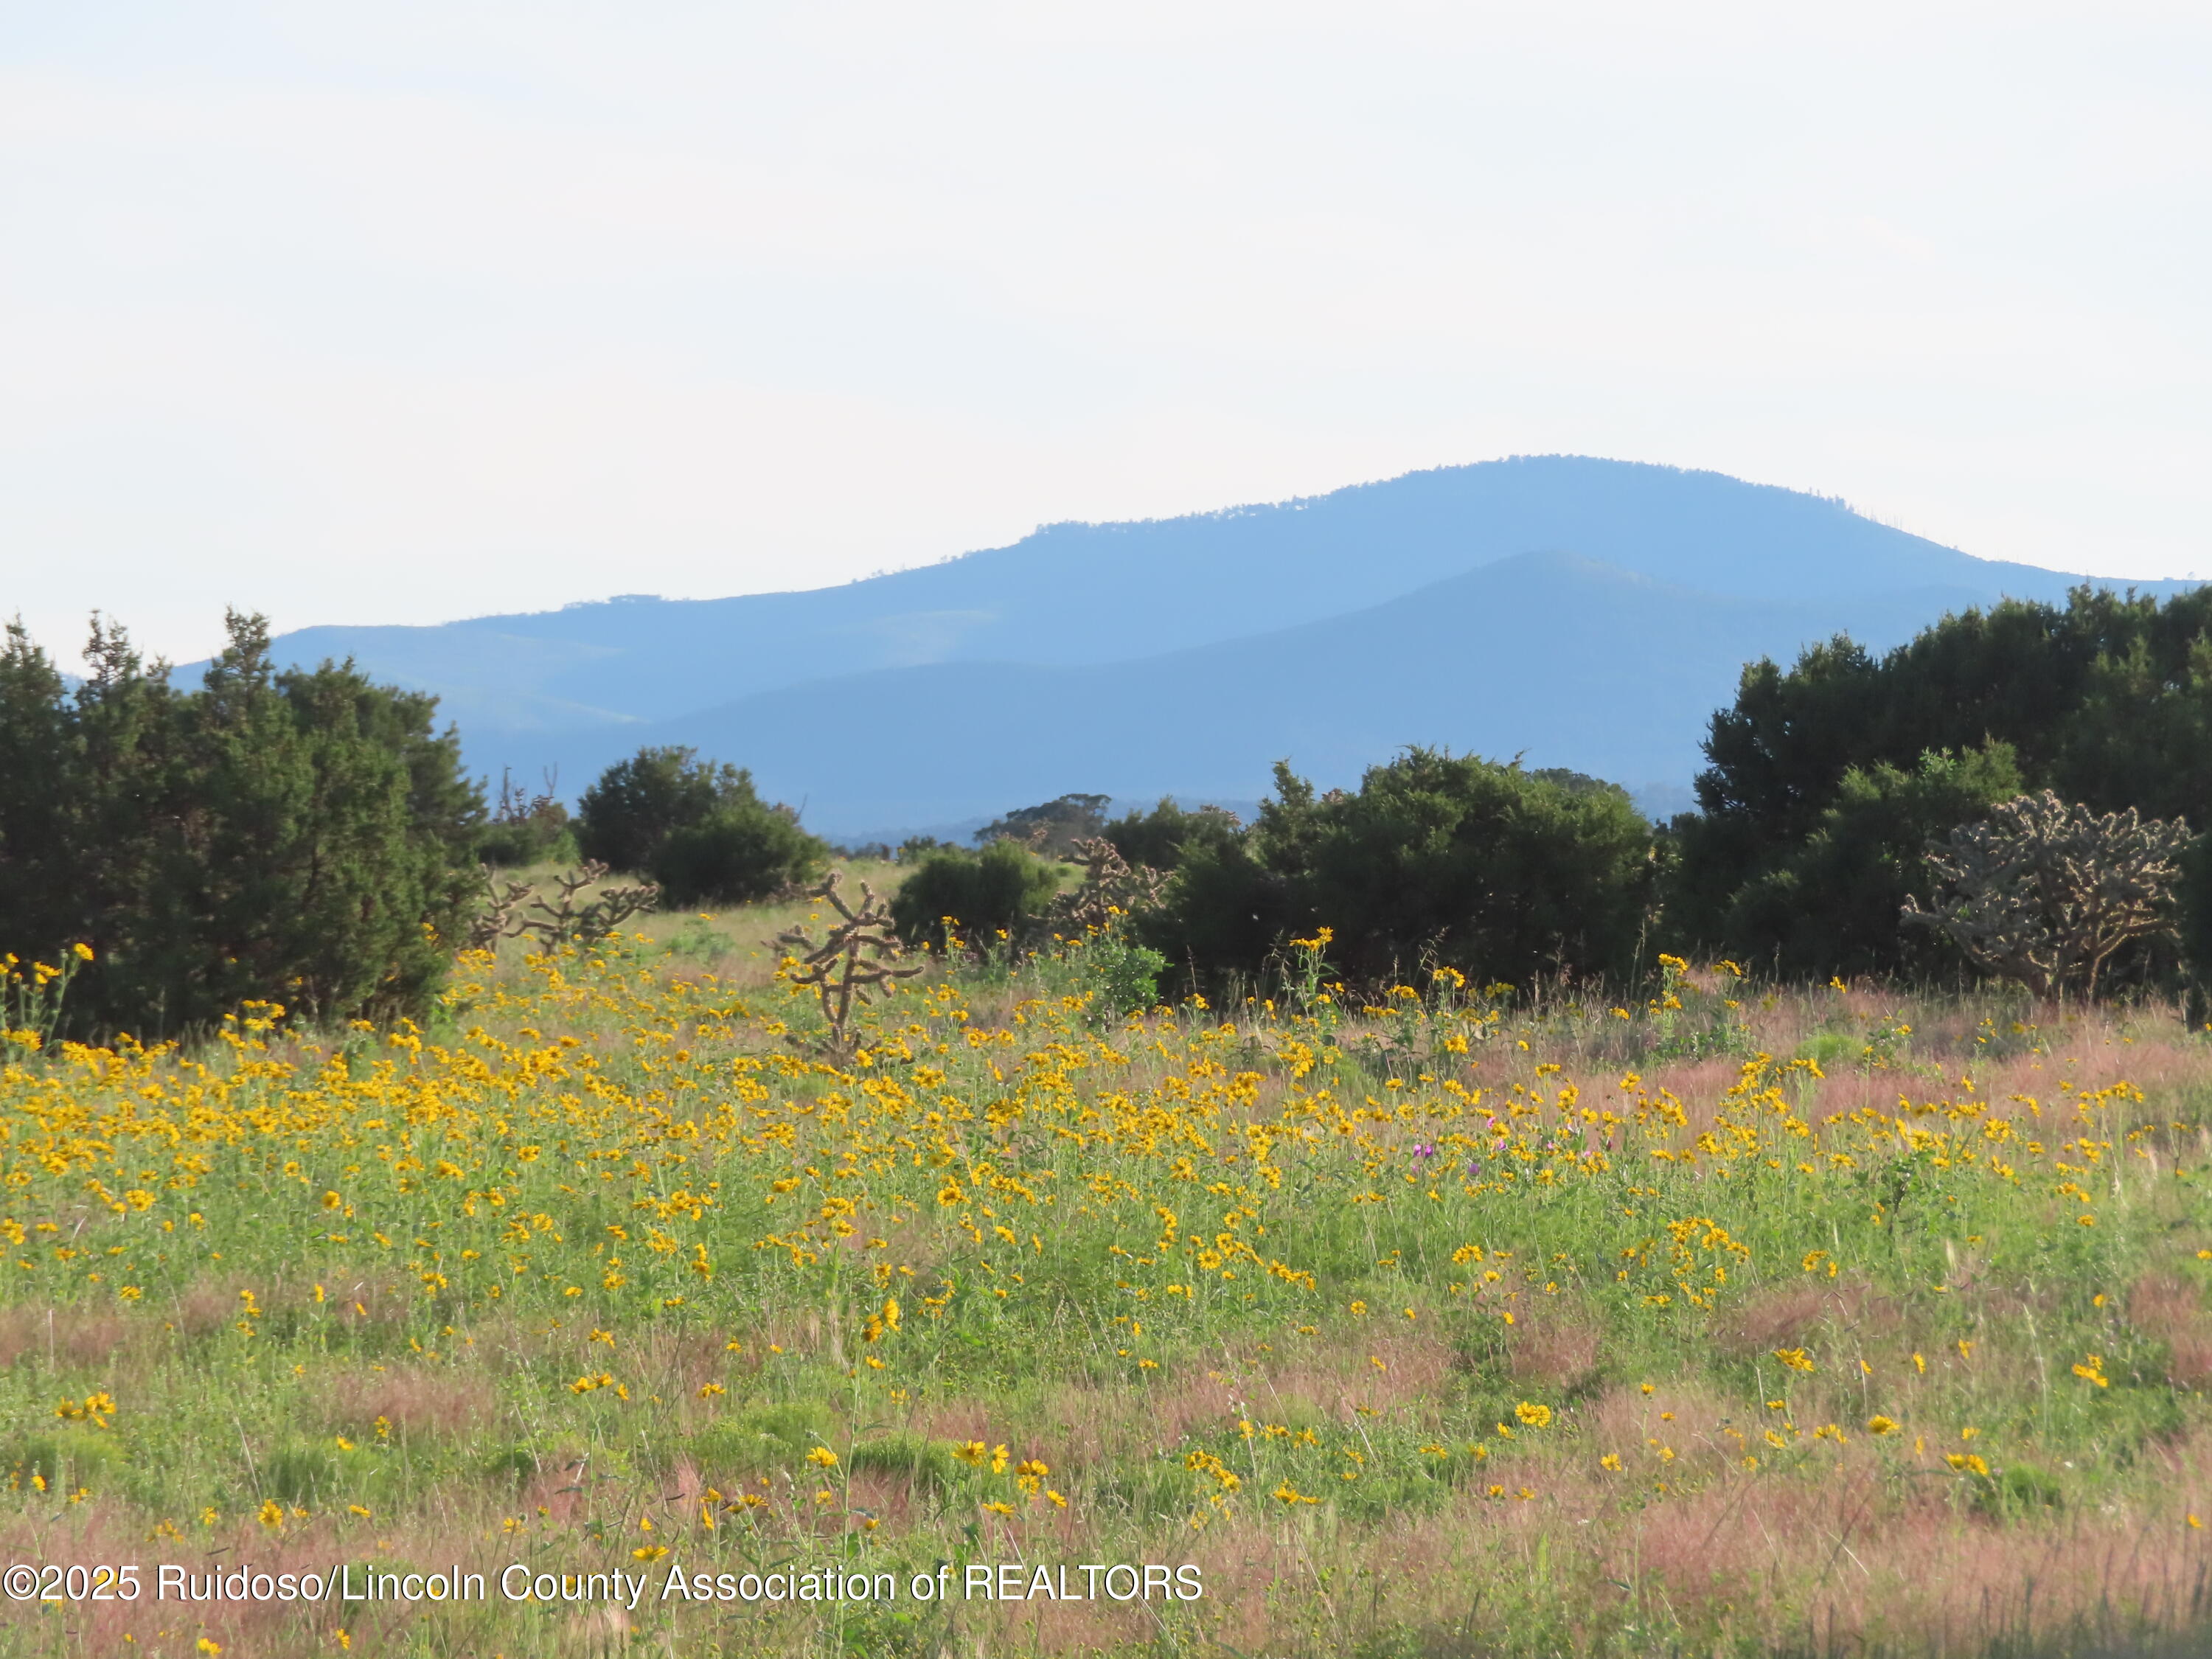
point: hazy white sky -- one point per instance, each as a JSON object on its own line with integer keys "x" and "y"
{"x": 400, "y": 311}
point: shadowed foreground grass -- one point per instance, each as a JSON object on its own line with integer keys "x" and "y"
{"x": 1741, "y": 1321}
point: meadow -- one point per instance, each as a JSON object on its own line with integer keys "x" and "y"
{"x": 1730, "y": 1319}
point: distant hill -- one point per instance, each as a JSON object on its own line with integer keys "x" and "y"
{"x": 1590, "y": 613}
{"x": 1574, "y": 661}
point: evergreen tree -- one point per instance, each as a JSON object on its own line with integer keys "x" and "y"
{"x": 1162, "y": 837}
{"x": 297, "y": 838}
{"x": 736, "y": 854}
{"x": 697, "y": 826}
{"x": 2107, "y": 700}
{"x": 638, "y": 803}
{"x": 1834, "y": 904}
{"x": 1467, "y": 863}
{"x": 1003, "y": 890}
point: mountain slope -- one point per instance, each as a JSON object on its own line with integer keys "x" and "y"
{"x": 1591, "y": 613}
{"x": 1573, "y": 661}
{"x": 1074, "y": 593}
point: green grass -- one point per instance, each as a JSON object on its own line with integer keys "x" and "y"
{"x": 1776, "y": 1322}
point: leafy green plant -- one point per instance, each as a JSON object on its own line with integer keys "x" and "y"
{"x": 525, "y": 828}
{"x": 930, "y": 1465}
{"x": 2017, "y": 1493}
{"x": 32, "y": 993}
{"x": 303, "y": 1474}
{"x": 1443, "y": 859}
{"x": 1694, "y": 1022}
{"x": 1117, "y": 975}
{"x": 973, "y": 899}
{"x": 1829, "y": 1050}
{"x": 740, "y": 851}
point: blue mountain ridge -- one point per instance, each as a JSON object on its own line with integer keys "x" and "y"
{"x": 1549, "y": 654}
{"x": 1590, "y": 613}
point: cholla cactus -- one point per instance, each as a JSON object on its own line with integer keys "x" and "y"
{"x": 1110, "y": 887}
{"x": 2043, "y": 893}
{"x": 857, "y": 954}
{"x": 495, "y": 919}
{"x": 561, "y": 920}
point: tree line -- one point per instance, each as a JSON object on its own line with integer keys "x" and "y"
{"x": 1828, "y": 785}
{"x": 1846, "y": 803}
{"x": 311, "y": 838}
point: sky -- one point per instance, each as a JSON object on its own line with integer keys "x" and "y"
{"x": 403, "y": 312}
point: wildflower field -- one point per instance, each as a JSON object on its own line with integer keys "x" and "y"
{"x": 1438, "y": 1318}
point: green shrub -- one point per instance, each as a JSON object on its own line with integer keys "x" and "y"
{"x": 1464, "y": 862}
{"x": 1161, "y": 837}
{"x": 301, "y": 1475}
{"x": 1831, "y": 1049}
{"x": 525, "y": 828}
{"x": 512, "y": 1466}
{"x": 738, "y": 854}
{"x": 511, "y": 846}
{"x": 2106, "y": 700}
{"x": 637, "y": 804}
{"x": 1053, "y": 826}
{"x": 698, "y": 828}
{"x": 2021, "y": 1492}
{"x": 1002, "y": 891}
{"x": 301, "y": 838}
{"x": 1120, "y": 976}
{"x": 1834, "y": 904}
{"x": 764, "y": 1438}
{"x": 65, "y": 1460}
{"x": 929, "y": 1465}
{"x": 2193, "y": 906}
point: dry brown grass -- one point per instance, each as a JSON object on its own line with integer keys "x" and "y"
{"x": 409, "y": 1399}
{"x": 2171, "y": 1312}
{"x": 1555, "y": 1348}
{"x": 1796, "y": 1315}
{"x": 74, "y": 1337}
{"x": 1333, "y": 1379}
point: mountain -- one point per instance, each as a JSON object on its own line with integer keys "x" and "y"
{"x": 1573, "y": 660}
{"x": 1590, "y": 613}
